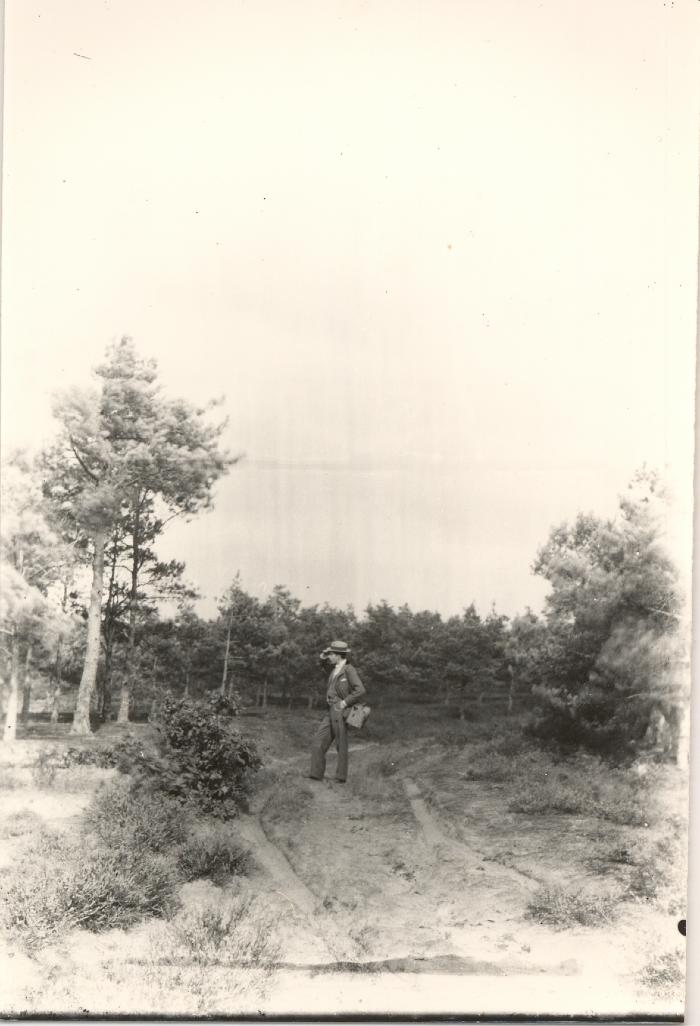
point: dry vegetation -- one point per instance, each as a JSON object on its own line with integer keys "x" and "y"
{"x": 529, "y": 842}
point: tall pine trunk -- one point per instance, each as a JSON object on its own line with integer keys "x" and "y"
{"x": 26, "y": 685}
{"x": 81, "y": 717}
{"x": 58, "y": 661}
{"x": 130, "y": 668}
{"x": 57, "y": 679}
{"x": 224, "y": 679}
{"x": 10, "y": 731}
{"x": 109, "y": 633}
{"x": 106, "y": 686}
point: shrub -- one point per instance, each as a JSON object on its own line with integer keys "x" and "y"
{"x": 133, "y": 821}
{"x": 552, "y": 795}
{"x": 214, "y": 855}
{"x": 238, "y": 930}
{"x": 102, "y": 757}
{"x": 554, "y": 906}
{"x": 665, "y": 973}
{"x": 584, "y": 786}
{"x": 66, "y": 884}
{"x": 489, "y": 765}
{"x": 196, "y": 756}
{"x": 50, "y": 760}
{"x": 224, "y": 705}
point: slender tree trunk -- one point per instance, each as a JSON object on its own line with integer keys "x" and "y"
{"x": 224, "y": 679}
{"x": 130, "y": 668}
{"x": 109, "y": 631}
{"x": 107, "y": 681}
{"x": 58, "y": 670}
{"x": 81, "y": 716}
{"x": 264, "y": 694}
{"x": 26, "y": 685}
{"x": 58, "y": 660}
{"x": 108, "y": 678}
{"x": 10, "y": 731}
{"x": 511, "y": 691}
{"x": 312, "y": 701}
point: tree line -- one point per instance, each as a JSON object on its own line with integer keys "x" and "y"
{"x": 84, "y": 594}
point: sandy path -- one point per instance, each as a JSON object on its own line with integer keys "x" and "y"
{"x": 383, "y": 885}
{"x": 447, "y": 845}
{"x": 402, "y": 899}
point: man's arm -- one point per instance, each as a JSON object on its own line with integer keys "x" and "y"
{"x": 357, "y": 688}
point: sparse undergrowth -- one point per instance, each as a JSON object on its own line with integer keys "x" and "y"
{"x": 19, "y": 823}
{"x": 665, "y": 973}
{"x": 555, "y": 906}
{"x": 134, "y": 850}
{"x": 238, "y": 930}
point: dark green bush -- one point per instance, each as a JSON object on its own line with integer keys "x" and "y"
{"x": 224, "y": 705}
{"x": 200, "y": 758}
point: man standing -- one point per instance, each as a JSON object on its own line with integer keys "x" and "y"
{"x": 344, "y": 689}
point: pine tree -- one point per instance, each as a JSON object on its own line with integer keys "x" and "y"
{"x": 121, "y": 447}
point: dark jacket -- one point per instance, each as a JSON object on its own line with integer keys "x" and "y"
{"x": 346, "y": 686}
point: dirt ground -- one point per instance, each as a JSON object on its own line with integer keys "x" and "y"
{"x": 403, "y": 891}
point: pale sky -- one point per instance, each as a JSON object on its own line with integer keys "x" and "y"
{"x": 440, "y": 258}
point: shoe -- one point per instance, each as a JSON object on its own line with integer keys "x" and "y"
{"x": 318, "y": 780}
{"x": 339, "y": 781}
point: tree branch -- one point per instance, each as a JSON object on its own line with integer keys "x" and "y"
{"x": 93, "y": 477}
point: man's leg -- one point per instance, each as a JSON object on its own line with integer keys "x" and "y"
{"x": 319, "y": 746}
{"x": 340, "y": 731}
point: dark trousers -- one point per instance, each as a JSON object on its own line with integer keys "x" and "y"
{"x": 331, "y": 728}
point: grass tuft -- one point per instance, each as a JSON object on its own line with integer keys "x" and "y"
{"x": 212, "y": 853}
{"x": 665, "y": 973}
{"x": 555, "y": 906}
{"x": 237, "y": 931}
{"x": 17, "y": 824}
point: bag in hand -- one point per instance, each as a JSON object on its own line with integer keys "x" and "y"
{"x": 357, "y": 716}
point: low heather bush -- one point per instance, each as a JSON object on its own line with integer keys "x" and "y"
{"x": 212, "y": 854}
{"x": 239, "y": 930}
{"x": 133, "y": 820}
{"x": 555, "y": 906}
{"x": 65, "y": 884}
{"x": 665, "y": 973}
{"x": 585, "y": 786}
